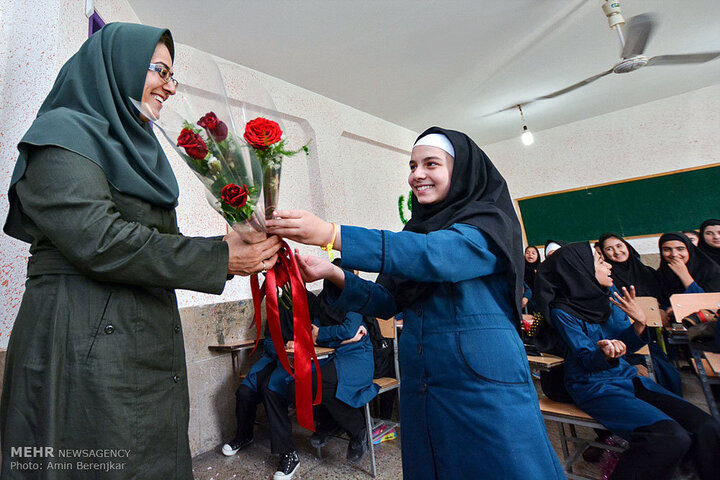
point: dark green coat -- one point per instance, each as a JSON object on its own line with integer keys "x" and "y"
{"x": 96, "y": 357}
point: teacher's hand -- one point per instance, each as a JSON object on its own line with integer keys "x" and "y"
{"x": 303, "y": 227}
{"x": 249, "y": 258}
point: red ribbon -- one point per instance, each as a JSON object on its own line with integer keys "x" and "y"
{"x": 286, "y": 266}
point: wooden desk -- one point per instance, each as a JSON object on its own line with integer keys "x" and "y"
{"x": 544, "y": 362}
{"x": 713, "y": 359}
{"x": 321, "y": 352}
{"x": 683, "y": 304}
{"x": 650, "y": 306}
{"x": 234, "y": 348}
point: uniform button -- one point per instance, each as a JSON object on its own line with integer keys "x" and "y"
{"x": 419, "y": 311}
{"x": 419, "y": 348}
{"x": 423, "y": 387}
{"x": 109, "y": 329}
{"x": 176, "y": 378}
{"x": 177, "y": 328}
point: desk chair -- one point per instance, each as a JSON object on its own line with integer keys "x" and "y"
{"x": 568, "y": 414}
{"x": 684, "y": 304}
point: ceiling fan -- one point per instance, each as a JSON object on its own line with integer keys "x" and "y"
{"x": 637, "y": 33}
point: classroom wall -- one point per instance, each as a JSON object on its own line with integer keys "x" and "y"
{"x": 661, "y": 136}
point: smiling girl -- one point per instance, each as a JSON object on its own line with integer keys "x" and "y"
{"x": 469, "y": 408}
{"x": 684, "y": 268}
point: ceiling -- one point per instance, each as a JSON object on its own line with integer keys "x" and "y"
{"x": 419, "y": 63}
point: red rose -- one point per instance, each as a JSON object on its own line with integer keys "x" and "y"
{"x": 215, "y": 127}
{"x": 234, "y": 195}
{"x": 261, "y": 133}
{"x": 193, "y": 144}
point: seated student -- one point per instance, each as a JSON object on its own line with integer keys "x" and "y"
{"x": 532, "y": 261}
{"x": 627, "y": 271}
{"x": 693, "y": 235}
{"x": 662, "y": 428}
{"x": 269, "y": 383}
{"x": 684, "y": 268}
{"x": 347, "y": 377}
{"x": 709, "y": 239}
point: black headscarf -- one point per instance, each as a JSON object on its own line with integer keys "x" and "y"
{"x": 531, "y": 268}
{"x": 632, "y": 271}
{"x": 478, "y": 196}
{"x": 567, "y": 281}
{"x": 710, "y": 251}
{"x": 89, "y": 112}
{"x": 703, "y": 270}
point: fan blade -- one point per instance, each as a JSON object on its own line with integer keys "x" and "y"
{"x": 680, "y": 59}
{"x": 554, "y": 94}
{"x": 638, "y": 31}
{"x": 573, "y": 87}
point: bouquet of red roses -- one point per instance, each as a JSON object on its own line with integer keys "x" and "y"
{"x": 241, "y": 175}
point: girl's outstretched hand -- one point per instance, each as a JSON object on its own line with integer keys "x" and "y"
{"x": 628, "y": 303}
{"x": 314, "y": 268}
{"x": 303, "y": 227}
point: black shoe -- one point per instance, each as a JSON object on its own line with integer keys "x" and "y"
{"x": 234, "y": 446}
{"x": 592, "y": 454}
{"x": 289, "y": 463}
{"x": 320, "y": 438}
{"x": 357, "y": 447}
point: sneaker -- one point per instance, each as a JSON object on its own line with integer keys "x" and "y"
{"x": 234, "y": 446}
{"x": 357, "y": 447}
{"x": 289, "y": 463}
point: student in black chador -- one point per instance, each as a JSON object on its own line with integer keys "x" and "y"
{"x": 268, "y": 383}
{"x": 347, "y": 376}
{"x": 684, "y": 268}
{"x": 709, "y": 239}
{"x": 627, "y": 271}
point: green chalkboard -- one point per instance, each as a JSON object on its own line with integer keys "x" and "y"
{"x": 647, "y": 206}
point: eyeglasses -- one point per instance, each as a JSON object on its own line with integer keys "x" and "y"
{"x": 164, "y": 72}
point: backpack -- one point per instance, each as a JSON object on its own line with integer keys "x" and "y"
{"x": 383, "y": 349}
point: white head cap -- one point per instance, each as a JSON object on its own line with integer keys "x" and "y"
{"x": 551, "y": 247}
{"x": 437, "y": 140}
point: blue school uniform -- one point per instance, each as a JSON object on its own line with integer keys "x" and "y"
{"x": 279, "y": 378}
{"x": 468, "y": 406}
{"x": 604, "y": 388}
{"x": 354, "y": 361}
